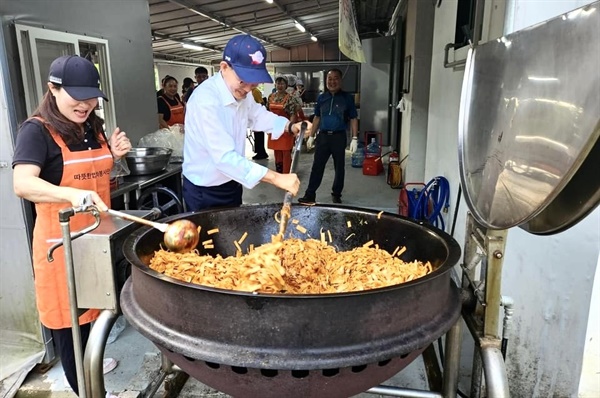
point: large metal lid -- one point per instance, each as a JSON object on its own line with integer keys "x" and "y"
{"x": 529, "y": 117}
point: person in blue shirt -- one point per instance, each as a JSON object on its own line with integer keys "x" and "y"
{"x": 335, "y": 112}
{"x": 214, "y": 164}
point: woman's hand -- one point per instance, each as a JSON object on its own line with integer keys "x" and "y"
{"x": 80, "y": 197}
{"x": 28, "y": 185}
{"x": 162, "y": 124}
{"x": 119, "y": 143}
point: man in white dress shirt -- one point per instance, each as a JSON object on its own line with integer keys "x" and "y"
{"x": 216, "y": 119}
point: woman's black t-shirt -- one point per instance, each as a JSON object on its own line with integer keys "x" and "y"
{"x": 164, "y": 108}
{"x": 35, "y": 145}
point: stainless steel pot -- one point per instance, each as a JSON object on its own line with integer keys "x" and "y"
{"x": 143, "y": 161}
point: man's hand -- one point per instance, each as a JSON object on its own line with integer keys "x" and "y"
{"x": 354, "y": 145}
{"x": 296, "y": 128}
{"x": 287, "y": 182}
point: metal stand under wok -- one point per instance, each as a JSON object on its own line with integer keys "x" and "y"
{"x": 96, "y": 288}
{"x": 89, "y": 368}
{"x": 482, "y": 283}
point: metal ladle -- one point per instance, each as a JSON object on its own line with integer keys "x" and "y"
{"x": 179, "y": 236}
{"x": 286, "y": 209}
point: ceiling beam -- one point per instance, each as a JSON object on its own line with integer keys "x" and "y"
{"x": 292, "y": 16}
{"x": 282, "y": 8}
{"x": 224, "y": 21}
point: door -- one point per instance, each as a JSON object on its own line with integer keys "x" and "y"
{"x": 375, "y": 93}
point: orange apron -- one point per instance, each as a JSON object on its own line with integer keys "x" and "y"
{"x": 177, "y": 112}
{"x": 89, "y": 170}
{"x": 286, "y": 141}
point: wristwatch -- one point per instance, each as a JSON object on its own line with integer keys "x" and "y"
{"x": 290, "y": 128}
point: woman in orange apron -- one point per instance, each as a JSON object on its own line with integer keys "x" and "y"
{"x": 61, "y": 156}
{"x": 287, "y": 105}
{"x": 170, "y": 108}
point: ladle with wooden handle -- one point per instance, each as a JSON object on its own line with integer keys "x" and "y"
{"x": 286, "y": 209}
{"x": 179, "y": 236}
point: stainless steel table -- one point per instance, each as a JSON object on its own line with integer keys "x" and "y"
{"x": 124, "y": 189}
{"x": 171, "y": 177}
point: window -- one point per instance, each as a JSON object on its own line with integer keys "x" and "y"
{"x": 39, "y": 47}
{"x": 465, "y": 22}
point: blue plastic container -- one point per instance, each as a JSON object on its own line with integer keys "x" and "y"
{"x": 358, "y": 157}
{"x": 373, "y": 149}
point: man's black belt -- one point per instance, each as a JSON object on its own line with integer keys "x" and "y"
{"x": 330, "y": 132}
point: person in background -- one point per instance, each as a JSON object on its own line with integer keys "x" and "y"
{"x": 287, "y": 105}
{"x": 170, "y": 108}
{"x": 161, "y": 90}
{"x": 291, "y": 86}
{"x": 300, "y": 90}
{"x": 294, "y": 92}
{"x": 162, "y": 87}
{"x": 214, "y": 165}
{"x": 259, "y": 136}
{"x": 200, "y": 74}
{"x": 335, "y": 111}
{"x": 61, "y": 157}
{"x": 188, "y": 84}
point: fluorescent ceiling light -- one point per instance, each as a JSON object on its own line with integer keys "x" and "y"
{"x": 313, "y": 38}
{"x": 192, "y": 47}
{"x": 299, "y": 27}
{"x": 543, "y": 79}
{"x": 270, "y": 1}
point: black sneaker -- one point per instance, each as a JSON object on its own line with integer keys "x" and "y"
{"x": 336, "y": 198}
{"x": 307, "y": 200}
{"x": 260, "y": 157}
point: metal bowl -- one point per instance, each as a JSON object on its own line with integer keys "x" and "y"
{"x": 143, "y": 161}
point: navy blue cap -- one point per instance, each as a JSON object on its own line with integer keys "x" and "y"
{"x": 247, "y": 57}
{"x": 78, "y": 76}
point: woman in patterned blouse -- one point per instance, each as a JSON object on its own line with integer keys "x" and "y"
{"x": 284, "y": 104}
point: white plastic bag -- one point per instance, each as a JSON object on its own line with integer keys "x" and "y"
{"x": 119, "y": 169}
{"x": 166, "y": 138}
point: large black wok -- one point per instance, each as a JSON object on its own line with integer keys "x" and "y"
{"x": 294, "y": 345}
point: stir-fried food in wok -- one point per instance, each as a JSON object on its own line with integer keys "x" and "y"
{"x": 293, "y": 266}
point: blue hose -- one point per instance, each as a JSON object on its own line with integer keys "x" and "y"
{"x": 436, "y": 193}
